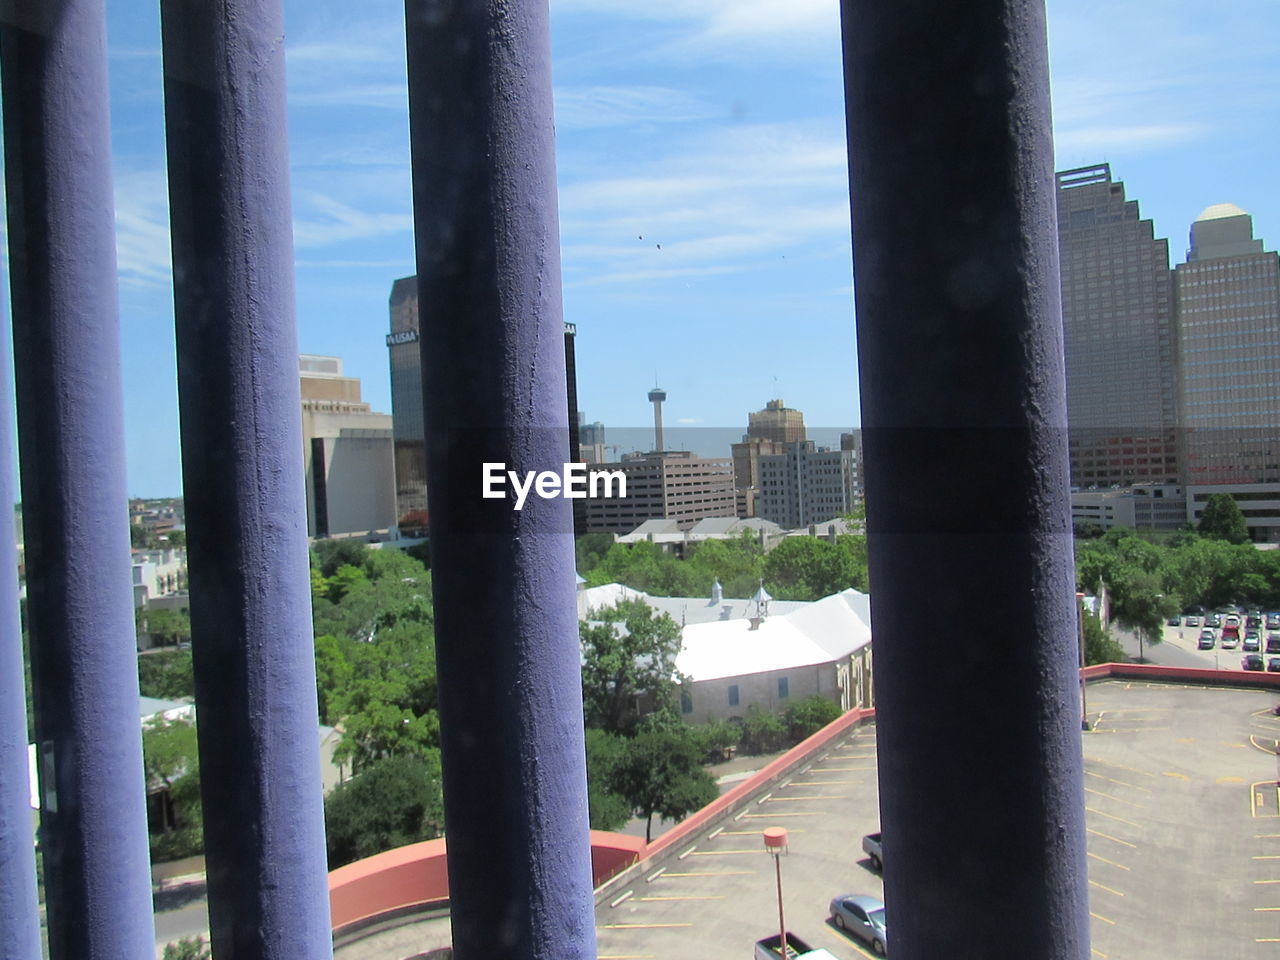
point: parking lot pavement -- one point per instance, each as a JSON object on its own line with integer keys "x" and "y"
{"x": 718, "y": 894}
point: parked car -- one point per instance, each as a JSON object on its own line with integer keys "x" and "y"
{"x": 1273, "y": 664}
{"x": 1213, "y": 620}
{"x": 1251, "y": 661}
{"x": 1206, "y": 641}
{"x": 863, "y": 916}
{"x": 1273, "y": 621}
{"x": 1174, "y": 621}
{"x": 871, "y": 847}
{"x": 1252, "y": 641}
{"x": 1192, "y": 621}
{"x": 1273, "y": 643}
{"x": 1230, "y": 640}
{"x": 1253, "y": 620}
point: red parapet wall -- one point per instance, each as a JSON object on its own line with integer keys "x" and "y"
{"x": 1151, "y": 671}
{"x": 417, "y": 876}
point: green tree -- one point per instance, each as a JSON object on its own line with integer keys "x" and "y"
{"x": 810, "y": 568}
{"x": 590, "y": 550}
{"x": 806, "y": 717}
{"x": 392, "y": 802}
{"x": 165, "y": 626}
{"x": 762, "y": 732}
{"x": 606, "y": 809}
{"x": 738, "y": 564}
{"x": 1138, "y": 603}
{"x": 659, "y": 772}
{"x": 1099, "y": 645}
{"x": 329, "y": 555}
{"x": 1223, "y": 520}
{"x": 166, "y": 675}
{"x": 628, "y": 656}
{"x": 187, "y": 949}
{"x": 171, "y": 760}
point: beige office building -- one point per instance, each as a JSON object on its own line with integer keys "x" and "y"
{"x": 674, "y": 485}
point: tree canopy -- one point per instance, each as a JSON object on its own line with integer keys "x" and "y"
{"x": 1222, "y": 519}
{"x": 394, "y": 801}
{"x": 628, "y": 655}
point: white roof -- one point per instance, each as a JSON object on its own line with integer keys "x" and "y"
{"x": 820, "y": 632}
{"x": 683, "y": 610}
{"x": 1220, "y": 211}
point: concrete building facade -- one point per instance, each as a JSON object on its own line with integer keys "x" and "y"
{"x": 1228, "y": 303}
{"x": 673, "y": 485}
{"x": 1118, "y": 335}
{"x": 408, "y": 426}
{"x": 347, "y": 453}
{"x": 802, "y": 484}
{"x": 776, "y": 422}
{"x": 1149, "y": 507}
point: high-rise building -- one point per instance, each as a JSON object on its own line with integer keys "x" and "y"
{"x": 776, "y": 422}
{"x": 1118, "y": 333}
{"x": 802, "y": 485}
{"x": 406, "y": 408}
{"x": 407, "y": 411}
{"x": 675, "y": 485}
{"x": 1228, "y": 304}
{"x": 347, "y": 453}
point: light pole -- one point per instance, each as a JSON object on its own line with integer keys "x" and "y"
{"x": 775, "y": 842}
{"x": 1084, "y": 704}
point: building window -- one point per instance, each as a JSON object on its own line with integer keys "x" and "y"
{"x": 782, "y": 688}
{"x": 686, "y": 703}
{"x": 733, "y": 695}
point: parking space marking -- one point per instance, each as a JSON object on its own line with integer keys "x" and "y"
{"x": 847, "y": 940}
{"x": 775, "y": 816}
{"x": 717, "y": 853}
{"x": 1229, "y": 780}
{"x": 1176, "y": 776}
{"x": 1099, "y": 793}
{"x": 1098, "y": 916}
{"x": 620, "y": 898}
{"x": 1234, "y": 746}
{"x": 821, "y": 796}
{"x": 1107, "y": 836}
{"x": 1095, "y": 883}
{"x": 815, "y": 783}
{"x": 1121, "y": 766}
{"x": 1266, "y": 858}
{"x": 748, "y": 833}
{"x": 1112, "y": 816}
{"x": 1264, "y": 799}
{"x": 626, "y": 956}
{"x": 1110, "y": 863}
{"x": 1122, "y": 783}
{"x": 1266, "y": 909}
{"x": 1266, "y": 881}
{"x": 708, "y": 896}
{"x": 1098, "y": 953}
{"x": 1272, "y": 747}
{"x": 638, "y": 926}
{"x": 710, "y": 873}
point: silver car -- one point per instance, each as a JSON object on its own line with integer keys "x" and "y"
{"x": 864, "y": 916}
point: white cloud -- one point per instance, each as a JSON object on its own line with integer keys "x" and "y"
{"x": 143, "y": 253}
{"x": 325, "y": 220}
{"x": 603, "y": 106}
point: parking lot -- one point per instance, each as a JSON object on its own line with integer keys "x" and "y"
{"x": 1183, "y": 842}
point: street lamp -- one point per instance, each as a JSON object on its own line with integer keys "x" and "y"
{"x": 1084, "y": 704}
{"x": 775, "y": 842}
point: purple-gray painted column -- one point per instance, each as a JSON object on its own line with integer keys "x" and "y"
{"x": 75, "y": 509}
{"x": 19, "y": 912}
{"x": 964, "y": 417}
{"x": 243, "y": 479}
{"x": 494, "y": 388}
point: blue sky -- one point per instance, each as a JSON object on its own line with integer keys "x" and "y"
{"x": 714, "y": 128}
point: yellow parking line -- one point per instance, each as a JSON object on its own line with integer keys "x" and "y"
{"x": 1109, "y": 862}
{"x": 1112, "y": 816}
{"x": 1095, "y": 883}
{"x": 848, "y": 941}
{"x": 1121, "y": 766}
{"x": 844, "y": 769}
{"x": 815, "y": 783}
{"x": 1266, "y": 881}
{"x": 1228, "y": 743}
{"x": 1176, "y": 776}
{"x": 1265, "y": 858}
{"x": 1102, "y": 918}
{"x": 1266, "y": 909}
{"x": 824, "y": 796}
{"x": 710, "y": 873}
{"x": 1099, "y": 793}
{"x": 1122, "y": 783}
{"x": 775, "y": 816}
{"x": 1229, "y": 780}
{"x": 1267, "y": 940}
{"x": 1266, "y": 836}
{"x": 1098, "y": 953}
{"x": 1107, "y": 836}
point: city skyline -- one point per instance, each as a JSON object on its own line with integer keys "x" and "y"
{"x": 703, "y": 189}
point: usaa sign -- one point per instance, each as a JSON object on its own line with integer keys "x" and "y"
{"x": 404, "y": 336}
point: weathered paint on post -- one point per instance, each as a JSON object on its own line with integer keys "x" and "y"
{"x": 75, "y": 509}
{"x": 494, "y": 391}
{"x": 964, "y": 417}
{"x": 19, "y": 912}
{"x": 243, "y": 478}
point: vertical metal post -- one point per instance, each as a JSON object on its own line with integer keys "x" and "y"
{"x": 19, "y": 912}
{"x": 242, "y": 466}
{"x": 75, "y": 508}
{"x": 964, "y": 426}
{"x": 508, "y": 654}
